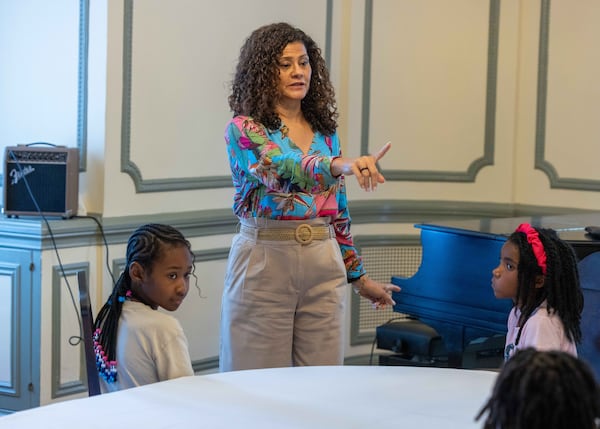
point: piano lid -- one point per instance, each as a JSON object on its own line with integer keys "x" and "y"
{"x": 569, "y": 227}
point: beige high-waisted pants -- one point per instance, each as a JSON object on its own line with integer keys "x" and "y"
{"x": 283, "y": 302}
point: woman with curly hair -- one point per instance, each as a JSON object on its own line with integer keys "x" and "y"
{"x": 283, "y": 302}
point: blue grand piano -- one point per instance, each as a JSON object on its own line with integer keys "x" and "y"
{"x": 451, "y": 291}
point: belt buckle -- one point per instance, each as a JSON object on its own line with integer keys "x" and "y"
{"x": 304, "y": 233}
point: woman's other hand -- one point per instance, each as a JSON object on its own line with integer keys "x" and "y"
{"x": 380, "y": 294}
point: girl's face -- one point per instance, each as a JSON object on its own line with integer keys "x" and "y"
{"x": 168, "y": 282}
{"x": 294, "y": 73}
{"x": 505, "y": 275}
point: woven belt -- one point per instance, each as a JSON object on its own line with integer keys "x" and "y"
{"x": 303, "y": 233}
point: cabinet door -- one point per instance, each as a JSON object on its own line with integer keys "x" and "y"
{"x": 17, "y": 327}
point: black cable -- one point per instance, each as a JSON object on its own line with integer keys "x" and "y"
{"x": 112, "y": 277}
{"x": 73, "y": 340}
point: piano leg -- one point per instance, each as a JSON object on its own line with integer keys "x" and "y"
{"x": 454, "y": 340}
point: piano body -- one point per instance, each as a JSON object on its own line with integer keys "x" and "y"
{"x": 452, "y": 292}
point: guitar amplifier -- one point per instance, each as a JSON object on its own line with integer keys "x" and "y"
{"x": 41, "y": 181}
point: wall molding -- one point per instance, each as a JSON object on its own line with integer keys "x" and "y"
{"x": 490, "y": 107}
{"x": 32, "y": 233}
{"x": 11, "y": 385}
{"x": 207, "y": 364}
{"x": 22, "y": 326}
{"x": 68, "y": 274}
{"x": 82, "y": 83}
{"x": 541, "y": 163}
{"x": 128, "y": 166}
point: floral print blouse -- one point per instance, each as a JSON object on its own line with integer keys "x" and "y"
{"x": 274, "y": 179}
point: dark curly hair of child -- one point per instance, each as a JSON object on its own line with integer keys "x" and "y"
{"x": 543, "y": 390}
{"x": 254, "y": 90}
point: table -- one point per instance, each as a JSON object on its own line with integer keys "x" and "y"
{"x": 345, "y": 397}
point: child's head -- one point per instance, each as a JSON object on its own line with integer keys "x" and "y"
{"x": 543, "y": 389}
{"x": 159, "y": 262}
{"x": 536, "y": 266}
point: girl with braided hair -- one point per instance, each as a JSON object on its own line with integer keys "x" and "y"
{"x": 134, "y": 343}
{"x": 543, "y": 390}
{"x": 538, "y": 271}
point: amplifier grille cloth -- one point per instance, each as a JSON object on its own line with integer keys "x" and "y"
{"x": 46, "y": 192}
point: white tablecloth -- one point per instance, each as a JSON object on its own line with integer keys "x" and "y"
{"x": 342, "y": 397}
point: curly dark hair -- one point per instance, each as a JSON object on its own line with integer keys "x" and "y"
{"x": 561, "y": 290}
{"x": 543, "y": 389}
{"x": 254, "y": 88}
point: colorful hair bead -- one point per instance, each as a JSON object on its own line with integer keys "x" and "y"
{"x": 106, "y": 369}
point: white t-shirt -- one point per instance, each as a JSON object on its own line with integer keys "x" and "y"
{"x": 542, "y": 331}
{"x": 151, "y": 347}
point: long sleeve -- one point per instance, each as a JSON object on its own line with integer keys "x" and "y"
{"x": 274, "y": 179}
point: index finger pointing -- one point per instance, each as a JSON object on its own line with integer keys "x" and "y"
{"x": 383, "y": 151}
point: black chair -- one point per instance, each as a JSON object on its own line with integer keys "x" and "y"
{"x": 87, "y": 320}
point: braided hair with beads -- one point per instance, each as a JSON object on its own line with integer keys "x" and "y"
{"x": 144, "y": 247}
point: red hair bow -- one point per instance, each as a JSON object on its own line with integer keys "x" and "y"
{"x": 533, "y": 238}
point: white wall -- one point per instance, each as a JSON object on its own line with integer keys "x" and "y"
{"x": 572, "y": 104}
{"x": 183, "y": 55}
{"x": 426, "y": 90}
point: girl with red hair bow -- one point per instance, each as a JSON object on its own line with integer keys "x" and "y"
{"x": 538, "y": 271}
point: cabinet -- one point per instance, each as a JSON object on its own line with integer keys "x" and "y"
{"x": 19, "y": 330}
{"x": 41, "y": 360}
